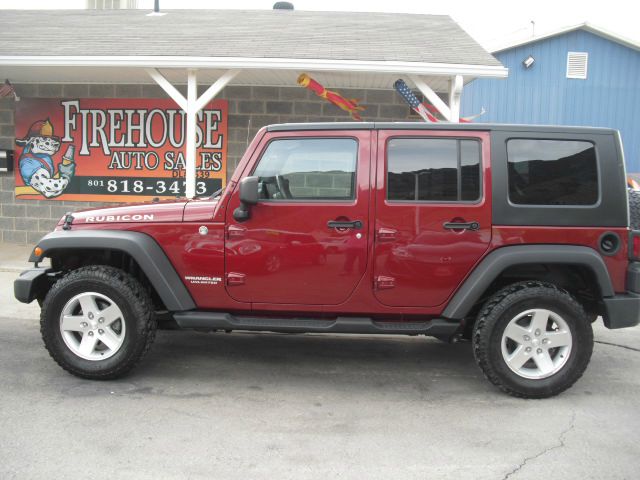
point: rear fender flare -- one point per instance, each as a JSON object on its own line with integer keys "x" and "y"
{"x": 497, "y": 261}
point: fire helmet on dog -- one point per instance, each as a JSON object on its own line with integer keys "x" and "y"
{"x": 39, "y": 128}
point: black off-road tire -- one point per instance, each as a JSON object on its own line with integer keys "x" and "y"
{"x": 504, "y": 306}
{"x": 130, "y": 297}
{"x": 634, "y": 209}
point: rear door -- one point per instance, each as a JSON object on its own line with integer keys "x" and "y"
{"x": 433, "y": 214}
{"x": 306, "y": 242}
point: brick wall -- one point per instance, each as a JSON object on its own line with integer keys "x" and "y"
{"x": 250, "y": 108}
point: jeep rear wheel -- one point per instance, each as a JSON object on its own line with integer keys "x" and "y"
{"x": 97, "y": 322}
{"x": 532, "y": 340}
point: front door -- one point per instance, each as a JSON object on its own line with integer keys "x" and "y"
{"x": 305, "y": 242}
{"x": 433, "y": 213}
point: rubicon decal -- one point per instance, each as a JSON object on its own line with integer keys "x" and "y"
{"x": 115, "y": 150}
{"x": 147, "y": 217}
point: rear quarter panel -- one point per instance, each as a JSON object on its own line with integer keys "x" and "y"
{"x": 580, "y": 236}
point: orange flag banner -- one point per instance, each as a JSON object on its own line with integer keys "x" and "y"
{"x": 347, "y": 104}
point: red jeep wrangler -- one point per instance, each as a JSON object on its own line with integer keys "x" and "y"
{"x": 515, "y": 237}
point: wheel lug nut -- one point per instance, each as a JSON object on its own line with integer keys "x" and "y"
{"x": 100, "y": 331}
{"x": 91, "y": 334}
{"x": 84, "y": 324}
{"x": 537, "y": 333}
{"x": 528, "y": 349}
{"x": 90, "y": 316}
{"x": 539, "y": 350}
{"x": 545, "y": 340}
{"x": 527, "y": 338}
{"x": 101, "y": 320}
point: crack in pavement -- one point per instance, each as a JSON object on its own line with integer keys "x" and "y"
{"x": 546, "y": 450}
{"x": 618, "y": 345}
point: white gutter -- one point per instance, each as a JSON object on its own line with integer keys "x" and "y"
{"x": 227, "y": 63}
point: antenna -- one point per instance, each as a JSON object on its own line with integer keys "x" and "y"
{"x": 533, "y": 26}
{"x": 156, "y": 10}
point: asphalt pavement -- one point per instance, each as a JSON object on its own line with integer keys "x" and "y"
{"x": 270, "y": 406}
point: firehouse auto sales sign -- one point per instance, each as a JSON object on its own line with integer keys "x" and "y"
{"x": 114, "y": 150}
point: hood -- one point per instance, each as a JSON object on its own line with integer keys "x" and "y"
{"x": 148, "y": 212}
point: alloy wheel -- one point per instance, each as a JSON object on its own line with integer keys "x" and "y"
{"x": 92, "y": 326}
{"x": 536, "y": 343}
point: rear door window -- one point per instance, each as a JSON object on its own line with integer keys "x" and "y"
{"x": 552, "y": 172}
{"x": 433, "y": 169}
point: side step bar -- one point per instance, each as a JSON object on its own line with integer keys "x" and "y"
{"x": 226, "y": 321}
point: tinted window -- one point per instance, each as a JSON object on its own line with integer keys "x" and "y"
{"x": 433, "y": 169}
{"x": 552, "y": 172}
{"x": 309, "y": 168}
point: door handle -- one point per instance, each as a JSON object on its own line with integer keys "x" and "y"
{"x": 357, "y": 224}
{"x": 461, "y": 225}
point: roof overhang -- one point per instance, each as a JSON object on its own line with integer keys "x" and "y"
{"x": 258, "y": 63}
{"x": 343, "y": 49}
{"x": 254, "y": 71}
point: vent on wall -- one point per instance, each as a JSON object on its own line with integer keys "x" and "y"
{"x": 577, "y": 65}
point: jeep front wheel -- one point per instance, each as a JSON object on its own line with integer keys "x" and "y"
{"x": 97, "y": 322}
{"x": 532, "y": 340}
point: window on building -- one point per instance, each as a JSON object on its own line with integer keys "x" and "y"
{"x": 308, "y": 169}
{"x": 433, "y": 169}
{"x": 552, "y": 172}
{"x": 577, "y": 63}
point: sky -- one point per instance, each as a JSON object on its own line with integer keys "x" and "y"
{"x": 493, "y": 23}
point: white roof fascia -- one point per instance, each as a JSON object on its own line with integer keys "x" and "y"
{"x": 627, "y": 42}
{"x": 537, "y": 38}
{"x": 257, "y": 63}
{"x": 601, "y": 32}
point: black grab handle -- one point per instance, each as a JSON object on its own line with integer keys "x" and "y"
{"x": 461, "y": 225}
{"x": 357, "y": 224}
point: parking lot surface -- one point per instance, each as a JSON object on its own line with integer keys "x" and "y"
{"x": 241, "y": 405}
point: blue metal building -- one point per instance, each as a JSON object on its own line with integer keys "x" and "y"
{"x": 581, "y": 75}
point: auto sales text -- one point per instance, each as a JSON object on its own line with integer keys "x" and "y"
{"x": 141, "y": 128}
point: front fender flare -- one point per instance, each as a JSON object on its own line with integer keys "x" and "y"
{"x": 141, "y": 247}
{"x": 497, "y": 261}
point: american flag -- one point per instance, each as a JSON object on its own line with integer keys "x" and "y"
{"x": 427, "y": 111}
{"x": 7, "y": 89}
{"x": 415, "y": 104}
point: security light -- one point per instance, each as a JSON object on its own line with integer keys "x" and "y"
{"x": 528, "y": 62}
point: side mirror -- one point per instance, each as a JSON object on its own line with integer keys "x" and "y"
{"x": 248, "y": 197}
{"x": 249, "y": 190}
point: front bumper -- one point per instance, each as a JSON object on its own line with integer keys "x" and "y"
{"x": 30, "y": 284}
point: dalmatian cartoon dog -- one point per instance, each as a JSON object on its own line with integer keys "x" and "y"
{"x": 36, "y": 161}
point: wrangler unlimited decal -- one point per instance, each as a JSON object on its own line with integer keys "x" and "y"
{"x": 203, "y": 280}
